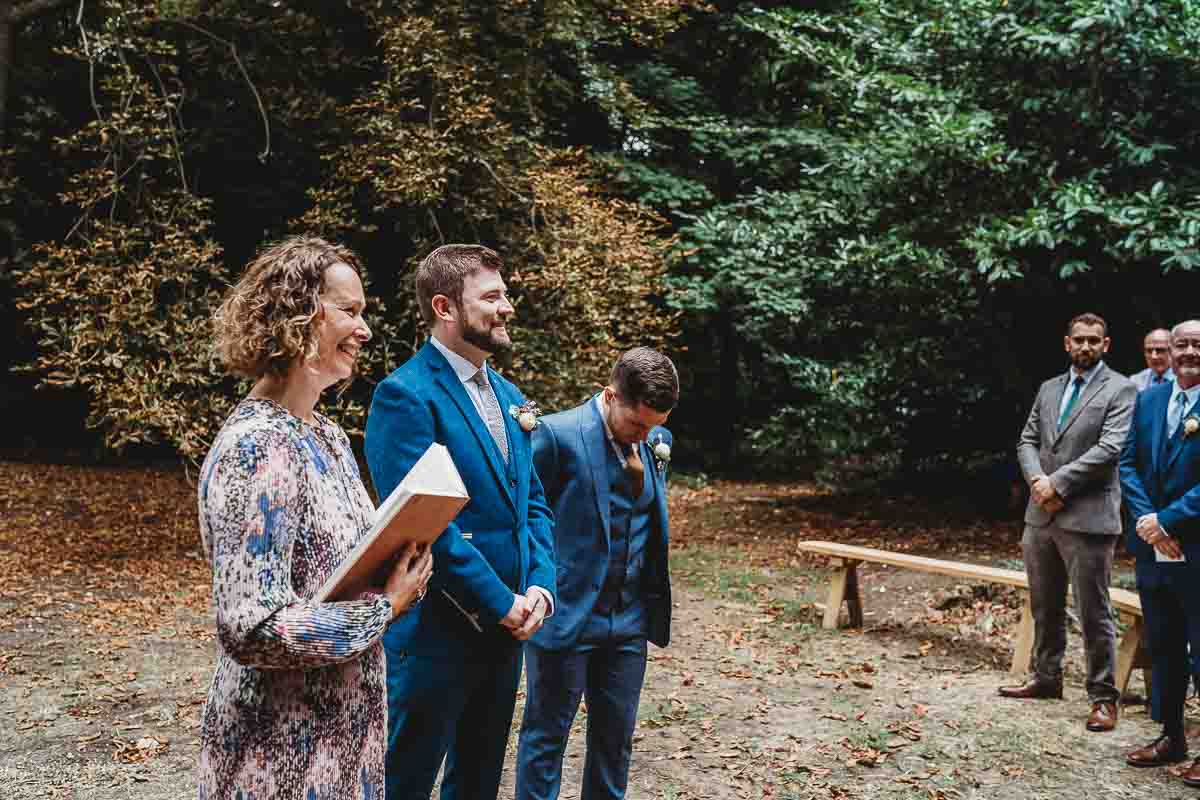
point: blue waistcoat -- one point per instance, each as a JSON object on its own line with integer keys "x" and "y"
{"x": 630, "y": 528}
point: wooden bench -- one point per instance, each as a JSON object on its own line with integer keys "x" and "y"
{"x": 844, "y": 589}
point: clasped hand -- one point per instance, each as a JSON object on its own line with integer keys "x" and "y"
{"x": 526, "y": 616}
{"x": 1045, "y": 495}
{"x": 1153, "y": 534}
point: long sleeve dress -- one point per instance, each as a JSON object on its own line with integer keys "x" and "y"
{"x": 297, "y": 707}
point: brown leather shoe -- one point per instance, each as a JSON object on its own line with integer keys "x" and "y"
{"x": 1103, "y": 717}
{"x": 1163, "y": 750}
{"x": 1033, "y": 688}
{"x": 1191, "y": 775}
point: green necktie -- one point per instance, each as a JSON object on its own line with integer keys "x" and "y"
{"x": 1066, "y": 412}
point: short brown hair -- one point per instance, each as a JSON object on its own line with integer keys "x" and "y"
{"x": 445, "y": 269}
{"x": 266, "y": 319}
{"x": 646, "y": 376}
{"x": 1087, "y": 319}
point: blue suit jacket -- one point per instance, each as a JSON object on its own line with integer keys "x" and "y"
{"x": 503, "y": 530}
{"x": 1161, "y": 475}
{"x": 570, "y": 450}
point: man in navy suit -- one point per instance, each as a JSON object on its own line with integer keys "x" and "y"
{"x": 454, "y": 662}
{"x": 604, "y": 468}
{"x": 1160, "y": 478}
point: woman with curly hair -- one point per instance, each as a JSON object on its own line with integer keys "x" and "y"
{"x": 297, "y": 707}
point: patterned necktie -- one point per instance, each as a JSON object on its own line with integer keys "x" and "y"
{"x": 635, "y": 472}
{"x": 1177, "y": 409}
{"x": 1066, "y": 412}
{"x": 491, "y": 411}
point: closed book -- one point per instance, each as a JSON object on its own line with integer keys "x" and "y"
{"x": 418, "y": 510}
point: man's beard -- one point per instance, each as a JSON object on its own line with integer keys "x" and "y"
{"x": 1084, "y": 362}
{"x": 1187, "y": 369}
{"x": 486, "y": 340}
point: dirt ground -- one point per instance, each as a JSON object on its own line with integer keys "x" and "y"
{"x": 106, "y": 649}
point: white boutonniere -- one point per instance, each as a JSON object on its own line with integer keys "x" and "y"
{"x": 1190, "y": 426}
{"x": 526, "y": 415}
{"x": 662, "y": 453}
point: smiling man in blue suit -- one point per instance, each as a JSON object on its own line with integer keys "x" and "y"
{"x": 1160, "y": 479}
{"x": 604, "y": 468}
{"x": 454, "y": 662}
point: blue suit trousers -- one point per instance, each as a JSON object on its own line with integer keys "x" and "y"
{"x": 460, "y": 710}
{"x": 1169, "y": 603}
{"x": 607, "y": 667}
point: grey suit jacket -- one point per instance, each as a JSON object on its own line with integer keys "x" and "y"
{"x": 1081, "y": 458}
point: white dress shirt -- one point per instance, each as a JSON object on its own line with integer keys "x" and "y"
{"x": 465, "y": 371}
{"x": 622, "y": 455}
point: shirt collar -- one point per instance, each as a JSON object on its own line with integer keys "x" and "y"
{"x": 1087, "y": 376}
{"x": 464, "y": 369}
{"x": 1191, "y": 393}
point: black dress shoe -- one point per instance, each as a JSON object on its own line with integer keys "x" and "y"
{"x": 1163, "y": 750}
{"x": 1033, "y": 688}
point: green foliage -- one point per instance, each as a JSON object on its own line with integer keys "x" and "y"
{"x": 120, "y": 306}
{"x": 888, "y": 176}
{"x": 209, "y": 116}
{"x": 859, "y": 224}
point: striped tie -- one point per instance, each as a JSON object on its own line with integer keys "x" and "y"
{"x": 491, "y": 411}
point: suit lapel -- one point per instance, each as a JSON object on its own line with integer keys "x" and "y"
{"x": 448, "y": 380}
{"x": 660, "y": 495}
{"x": 595, "y": 444}
{"x": 1094, "y": 385}
{"x": 1158, "y": 434}
{"x": 1053, "y": 402}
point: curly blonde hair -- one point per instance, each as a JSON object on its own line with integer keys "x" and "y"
{"x": 266, "y": 320}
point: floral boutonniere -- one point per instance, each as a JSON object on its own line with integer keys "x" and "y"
{"x": 526, "y": 415}
{"x": 1190, "y": 426}
{"x": 662, "y": 453}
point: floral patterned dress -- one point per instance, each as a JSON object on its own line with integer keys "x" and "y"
{"x": 298, "y": 704}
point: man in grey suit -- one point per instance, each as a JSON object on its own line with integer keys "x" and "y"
{"x": 1068, "y": 453}
{"x": 1156, "y": 348}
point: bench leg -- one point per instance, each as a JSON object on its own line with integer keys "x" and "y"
{"x": 843, "y": 588}
{"x": 1127, "y": 655}
{"x": 1023, "y": 646}
{"x": 853, "y": 598}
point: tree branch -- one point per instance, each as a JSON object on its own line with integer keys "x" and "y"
{"x": 499, "y": 182}
{"x": 170, "y": 122}
{"x": 266, "y": 151}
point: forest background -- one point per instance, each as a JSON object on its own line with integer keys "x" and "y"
{"x": 859, "y": 226}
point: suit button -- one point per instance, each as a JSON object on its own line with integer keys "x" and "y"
{"x": 512, "y": 482}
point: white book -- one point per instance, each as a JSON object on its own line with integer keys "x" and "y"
{"x": 417, "y": 510}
